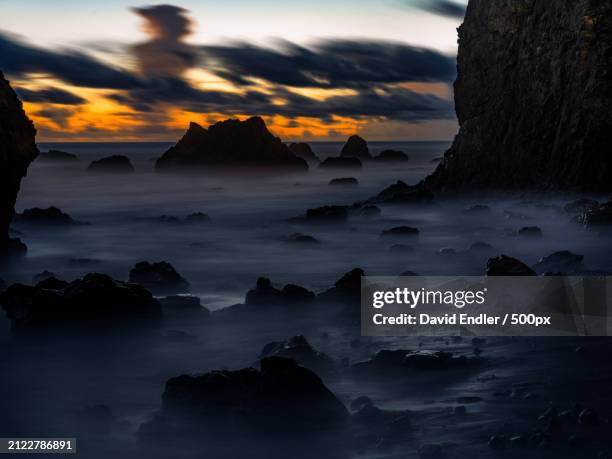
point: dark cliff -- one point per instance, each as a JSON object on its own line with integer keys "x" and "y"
{"x": 533, "y": 97}
{"x": 17, "y": 150}
{"x": 230, "y": 143}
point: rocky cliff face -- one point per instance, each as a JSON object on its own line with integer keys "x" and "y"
{"x": 533, "y": 97}
{"x": 230, "y": 143}
{"x": 17, "y": 150}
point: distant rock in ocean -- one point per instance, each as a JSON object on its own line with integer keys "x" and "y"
{"x": 392, "y": 156}
{"x": 356, "y": 147}
{"x": 533, "y": 96}
{"x": 341, "y": 163}
{"x": 112, "y": 164}
{"x": 230, "y": 143}
{"x": 51, "y": 216}
{"x": 58, "y": 156}
{"x": 303, "y": 150}
{"x": 344, "y": 181}
{"x": 17, "y": 151}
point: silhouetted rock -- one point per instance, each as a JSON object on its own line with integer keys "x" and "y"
{"x": 17, "y": 151}
{"x": 348, "y": 181}
{"x": 533, "y": 114}
{"x": 197, "y": 217}
{"x": 57, "y": 156}
{"x": 265, "y": 293}
{"x": 402, "y": 193}
{"x": 230, "y": 143}
{"x": 43, "y": 276}
{"x": 581, "y": 206}
{"x": 341, "y": 163}
{"x": 346, "y": 290}
{"x": 401, "y": 231}
{"x": 392, "y": 156}
{"x": 303, "y": 150}
{"x": 326, "y": 214}
{"x": 563, "y": 261}
{"x": 530, "y": 231}
{"x": 299, "y": 349}
{"x": 600, "y": 216}
{"x": 94, "y": 301}
{"x": 158, "y": 277}
{"x": 49, "y": 216}
{"x": 299, "y": 238}
{"x": 283, "y": 406}
{"x": 478, "y": 209}
{"x": 116, "y": 164}
{"x": 508, "y": 266}
{"x": 356, "y": 147}
{"x": 360, "y": 402}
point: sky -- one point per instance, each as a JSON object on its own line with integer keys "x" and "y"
{"x": 317, "y": 70}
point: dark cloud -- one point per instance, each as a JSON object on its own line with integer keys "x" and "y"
{"x": 50, "y": 95}
{"x": 57, "y": 115}
{"x": 18, "y": 58}
{"x": 330, "y": 64}
{"x": 448, "y": 8}
{"x": 166, "y": 22}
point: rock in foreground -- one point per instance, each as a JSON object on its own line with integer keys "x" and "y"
{"x": 230, "y": 143}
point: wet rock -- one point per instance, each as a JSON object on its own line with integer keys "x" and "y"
{"x": 400, "y": 231}
{"x": 392, "y": 156}
{"x": 95, "y": 301}
{"x": 508, "y": 266}
{"x": 299, "y": 349}
{"x": 49, "y": 216}
{"x": 251, "y": 408}
{"x": 326, "y": 214}
{"x": 158, "y": 277}
{"x": 581, "y": 206}
{"x": 531, "y": 112}
{"x": 303, "y": 150}
{"x": 197, "y": 217}
{"x": 58, "y": 156}
{"x": 360, "y": 402}
{"x": 230, "y": 143}
{"x": 341, "y": 163}
{"x": 356, "y": 147}
{"x": 402, "y": 193}
{"x": 348, "y": 181}
{"x": 44, "y": 275}
{"x": 116, "y": 164}
{"x": 17, "y": 151}
{"x": 265, "y": 293}
{"x": 563, "y": 261}
{"x": 299, "y": 238}
{"x": 183, "y": 304}
{"x": 478, "y": 209}
{"x": 530, "y": 232}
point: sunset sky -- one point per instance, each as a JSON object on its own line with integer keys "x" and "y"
{"x": 317, "y": 70}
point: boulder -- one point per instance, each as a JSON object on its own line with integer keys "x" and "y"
{"x": 392, "y": 156}
{"x": 230, "y": 143}
{"x": 402, "y": 193}
{"x": 508, "y": 266}
{"x": 348, "y": 181}
{"x": 563, "y": 261}
{"x": 17, "y": 151}
{"x": 299, "y": 349}
{"x": 532, "y": 113}
{"x": 58, "y": 156}
{"x": 341, "y": 163}
{"x": 325, "y": 214}
{"x": 303, "y": 150}
{"x": 51, "y": 216}
{"x": 356, "y": 147}
{"x": 400, "y": 232}
{"x": 116, "y": 164}
{"x": 158, "y": 277}
{"x": 95, "y": 301}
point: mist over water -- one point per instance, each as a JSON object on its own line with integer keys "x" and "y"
{"x": 50, "y": 378}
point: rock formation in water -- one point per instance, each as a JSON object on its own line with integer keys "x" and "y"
{"x": 116, "y": 164}
{"x": 230, "y": 143}
{"x": 304, "y": 151}
{"x": 533, "y": 96}
{"x": 17, "y": 151}
{"x": 356, "y": 147}
{"x": 158, "y": 277}
{"x": 58, "y": 156}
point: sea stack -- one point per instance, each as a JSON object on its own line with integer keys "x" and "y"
{"x": 17, "y": 151}
{"x": 230, "y": 143}
{"x": 356, "y": 147}
{"x": 533, "y": 96}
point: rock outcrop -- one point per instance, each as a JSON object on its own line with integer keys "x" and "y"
{"x": 533, "y": 96}
{"x": 17, "y": 151}
{"x": 58, "y": 156}
{"x": 230, "y": 143}
{"x": 304, "y": 151}
{"x": 356, "y": 147}
{"x": 116, "y": 164}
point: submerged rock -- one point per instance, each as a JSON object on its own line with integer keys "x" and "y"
{"x": 508, "y": 266}
{"x": 392, "y": 156}
{"x": 530, "y": 231}
{"x": 49, "y": 216}
{"x": 95, "y": 301}
{"x": 158, "y": 277}
{"x": 299, "y": 349}
{"x": 401, "y": 231}
{"x": 402, "y": 193}
{"x": 356, "y": 147}
{"x": 116, "y": 164}
{"x": 230, "y": 143}
{"x": 299, "y": 238}
{"x": 348, "y": 181}
{"x": 341, "y": 163}
{"x": 326, "y": 214}
{"x": 303, "y": 150}
{"x": 58, "y": 156}
{"x": 17, "y": 151}
{"x": 563, "y": 261}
